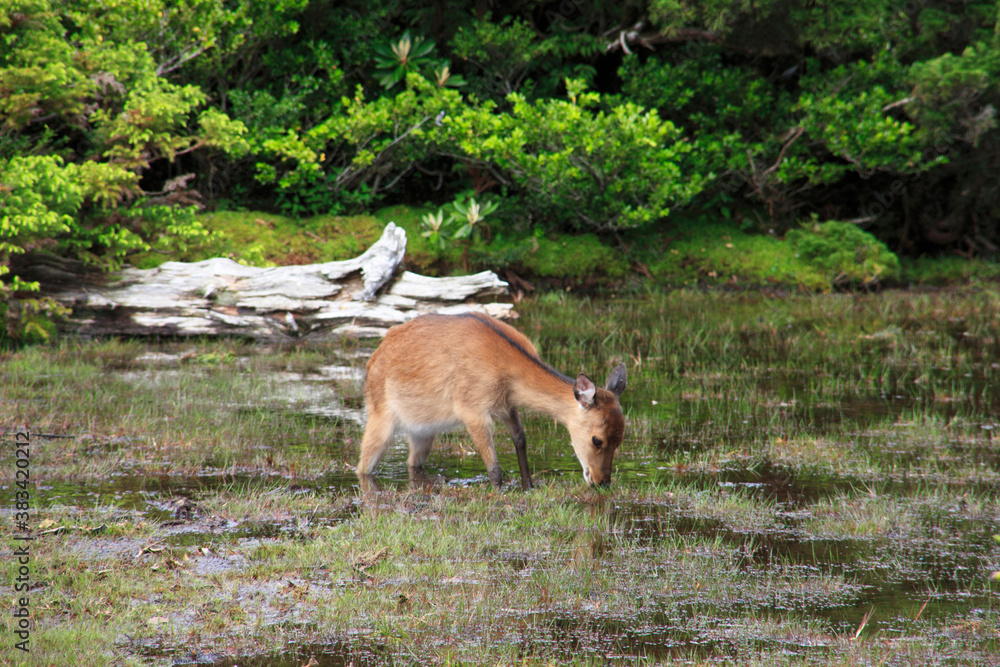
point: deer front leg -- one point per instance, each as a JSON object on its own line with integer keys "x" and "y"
{"x": 520, "y": 446}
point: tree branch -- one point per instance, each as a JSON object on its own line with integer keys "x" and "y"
{"x": 795, "y": 134}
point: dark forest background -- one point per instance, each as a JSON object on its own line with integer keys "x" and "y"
{"x": 122, "y": 123}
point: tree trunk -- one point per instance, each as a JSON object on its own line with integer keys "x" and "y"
{"x": 356, "y": 297}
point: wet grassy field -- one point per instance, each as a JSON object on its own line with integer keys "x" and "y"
{"x": 804, "y": 480}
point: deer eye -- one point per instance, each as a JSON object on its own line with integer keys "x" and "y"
{"x": 597, "y": 442}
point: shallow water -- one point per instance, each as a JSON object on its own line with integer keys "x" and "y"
{"x": 761, "y": 444}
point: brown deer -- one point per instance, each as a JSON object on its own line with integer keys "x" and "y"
{"x": 438, "y": 372}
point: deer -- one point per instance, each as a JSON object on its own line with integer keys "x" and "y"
{"x": 436, "y": 373}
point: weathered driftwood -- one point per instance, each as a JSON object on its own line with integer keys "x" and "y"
{"x": 356, "y": 297}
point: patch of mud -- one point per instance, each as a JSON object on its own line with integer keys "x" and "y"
{"x": 101, "y": 549}
{"x": 329, "y": 654}
{"x": 171, "y": 505}
{"x": 624, "y": 641}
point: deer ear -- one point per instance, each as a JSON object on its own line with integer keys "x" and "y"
{"x": 584, "y": 390}
{"x": 616, "y": 381}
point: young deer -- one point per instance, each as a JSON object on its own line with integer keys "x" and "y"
{"x": 438, "y": 372}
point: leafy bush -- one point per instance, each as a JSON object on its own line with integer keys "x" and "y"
{"x": 845, "y": 253}
{"x": 846, "y": 112}
{"x": 366, "y": 145}
{"x": 86, "y": 110}
{"x": 503, "y": 51}
{"x": 579, "y": 167}
{"x": 27, "y": 320}
{"x": 41, "y": 199}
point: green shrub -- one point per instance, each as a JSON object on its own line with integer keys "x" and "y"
{"x": 845, "y": 254}
{"x": 27, "y": 321}
{"x": 577, "y": 165}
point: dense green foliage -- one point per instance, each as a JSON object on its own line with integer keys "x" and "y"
{"x": 845, "y": 253}
{"x": 118, "y": 121}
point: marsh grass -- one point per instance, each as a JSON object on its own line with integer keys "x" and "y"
{"x": 103, "y": 409}
{"x": 809, "y": 480}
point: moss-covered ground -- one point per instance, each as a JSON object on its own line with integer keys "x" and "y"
{"x": 687, "y": 252}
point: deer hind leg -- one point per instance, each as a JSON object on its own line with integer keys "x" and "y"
{"x": 481, "y": 431}
{"x": 378, "y": 434}
{"x": 420, "y": 449}
{"x": 520, "y": 446}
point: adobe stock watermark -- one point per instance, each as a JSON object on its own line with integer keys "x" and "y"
{"x": 21, "y": 538}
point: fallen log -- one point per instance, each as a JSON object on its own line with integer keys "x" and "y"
{"x": 359, "y": 297}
